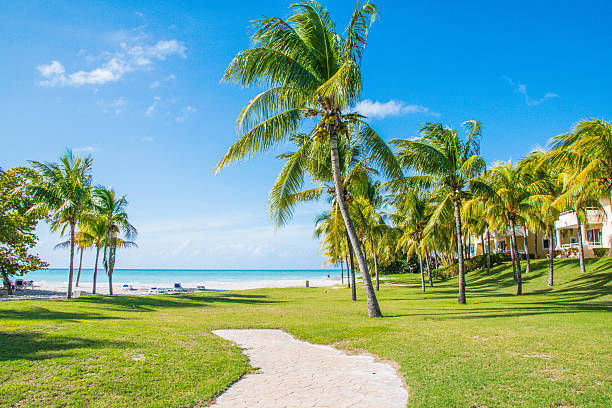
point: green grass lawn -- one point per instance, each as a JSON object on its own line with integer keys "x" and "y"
{"x": 551, "y": 347}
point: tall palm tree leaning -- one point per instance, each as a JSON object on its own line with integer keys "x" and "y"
{"x": 450, "y": 166}
{"x": 307, "y": 70}
{"x": 112, "y": 211}
{"x": 65, "y": 192}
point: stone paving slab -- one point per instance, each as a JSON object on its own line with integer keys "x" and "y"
{"x": 297, "y": 374}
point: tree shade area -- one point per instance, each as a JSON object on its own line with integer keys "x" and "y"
{"x": 548, "y": 347}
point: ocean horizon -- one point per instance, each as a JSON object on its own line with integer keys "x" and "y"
{"x": 184, "y": 276}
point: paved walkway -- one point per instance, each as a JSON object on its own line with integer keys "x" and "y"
{"x": 296, "y": 374}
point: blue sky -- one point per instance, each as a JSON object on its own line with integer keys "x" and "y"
{"x": 137, "y": 87}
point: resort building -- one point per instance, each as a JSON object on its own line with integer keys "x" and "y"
{"x": 596, "y": 233}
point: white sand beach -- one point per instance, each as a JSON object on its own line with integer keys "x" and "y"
{"x": 55, "y": 290}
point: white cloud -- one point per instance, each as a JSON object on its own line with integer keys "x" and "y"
{"x": 117, "y": 106}
{"x": 154, "y": 85}
{"x": 151, "y": 109}
{"x": 379, "y": 110}
{"x": 116, "y": 65}
{"x": 148, "y": 139}
{"x": 188, "y": 110}
{"x": 522, "y": 89}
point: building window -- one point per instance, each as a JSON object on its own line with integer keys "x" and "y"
{"x": 502, "y": 246}
{"x": 594, "y": 236}
{"x": 573, "y": 240}
{"x": 546, "y": 244}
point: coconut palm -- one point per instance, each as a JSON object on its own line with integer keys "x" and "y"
{"x": 64, "y": 191}
{"x": 413, "y": 212}
{"x": 369, "y": 203}
{"x": 111, "y": 209}
{"x": 94, "y": 234}
{"x": 474, "y": 217}
{"x": 450, "y": 165}
{"x": 577, "y": 197}
{"x": 308, "y": 70}
{"x": 588, "y": 148}
{"x": 507, "y": 205}
{"x": 545, "y": 187}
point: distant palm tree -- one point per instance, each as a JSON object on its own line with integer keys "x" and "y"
{"x": 111, "y": 209}
{"x": 450, "y": 166}
{"x": 308, "y": 70}
{"x": 65, "y": 192}
{"x": 414, "y": 208}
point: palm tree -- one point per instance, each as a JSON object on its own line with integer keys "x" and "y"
{"x": 451, "y": 166}
{"x": 94, "y": 234}
{"x": 545, "y": 187}
{"x": 308, "y": 70}
{"x": 111, "y": 209}
{"x": 65, "y": 192}
{"x": 413, "y": 212}
{"x": 588, "y": 148}
{"x": 507, "y": 204}
{"x": 577, "y": 197}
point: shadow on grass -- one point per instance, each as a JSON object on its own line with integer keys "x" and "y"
{"x": 35, "y": 346}
{"x": 183, "y": 300}
{"x": 580, "y": 294}
{"x": 41, "y": 313}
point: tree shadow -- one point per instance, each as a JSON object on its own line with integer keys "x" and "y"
{"x": 34, "y": 346}
{"x": 182, "y": 300}
{"x": 583, "y": 293}
{"x": 41, "y": 313}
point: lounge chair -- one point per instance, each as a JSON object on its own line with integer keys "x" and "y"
{"x": 178, "y": 287}
{"x": 20, "y": 284}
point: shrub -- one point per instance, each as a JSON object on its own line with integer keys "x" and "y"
{"x": 601, "y": 252}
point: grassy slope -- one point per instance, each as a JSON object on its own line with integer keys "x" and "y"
{"x": 550, "y": 347}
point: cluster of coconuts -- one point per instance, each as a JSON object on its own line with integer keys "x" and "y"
{"x": 327, "y": 122}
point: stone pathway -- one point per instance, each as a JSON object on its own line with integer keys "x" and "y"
{"x": 296, "y": 374}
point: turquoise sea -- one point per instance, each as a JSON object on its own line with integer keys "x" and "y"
{"x": 184, "y": 276}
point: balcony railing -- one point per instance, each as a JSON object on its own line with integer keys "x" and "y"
{"x": 568, "y": 246}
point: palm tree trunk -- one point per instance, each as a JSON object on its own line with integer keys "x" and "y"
{"x": 376, "y": 272}
{"x": 7, "y": 281}
{"x": 580, "y": 246}
{"x": 513, "y": 264}
{"x": 373, "y": 307}
{"x": 80, "y": 266}
{"x": 111, "y": 269}
{"x": 71, "y": 272}
{"x": 526, "y": 246}
{"x": 519, "y": 280}
{"x": 550, "y": 256}
{"x": 352, "y": 284}
{"x": 422, "y": 274}
{"x": 488, "y": 251}
{"x": 461, "y": 299}
{"x": 348, "y": 278}
{"x": 429, "y": 271}
{"x": 342, "y": 269}
{"x": 95, "y": 275}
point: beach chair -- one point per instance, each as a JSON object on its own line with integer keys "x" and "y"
{"x": 20, "y": 284}
{"x": 178, "y": 287}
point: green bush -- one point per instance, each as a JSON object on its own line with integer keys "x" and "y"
{"x": 601, "y": 252}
